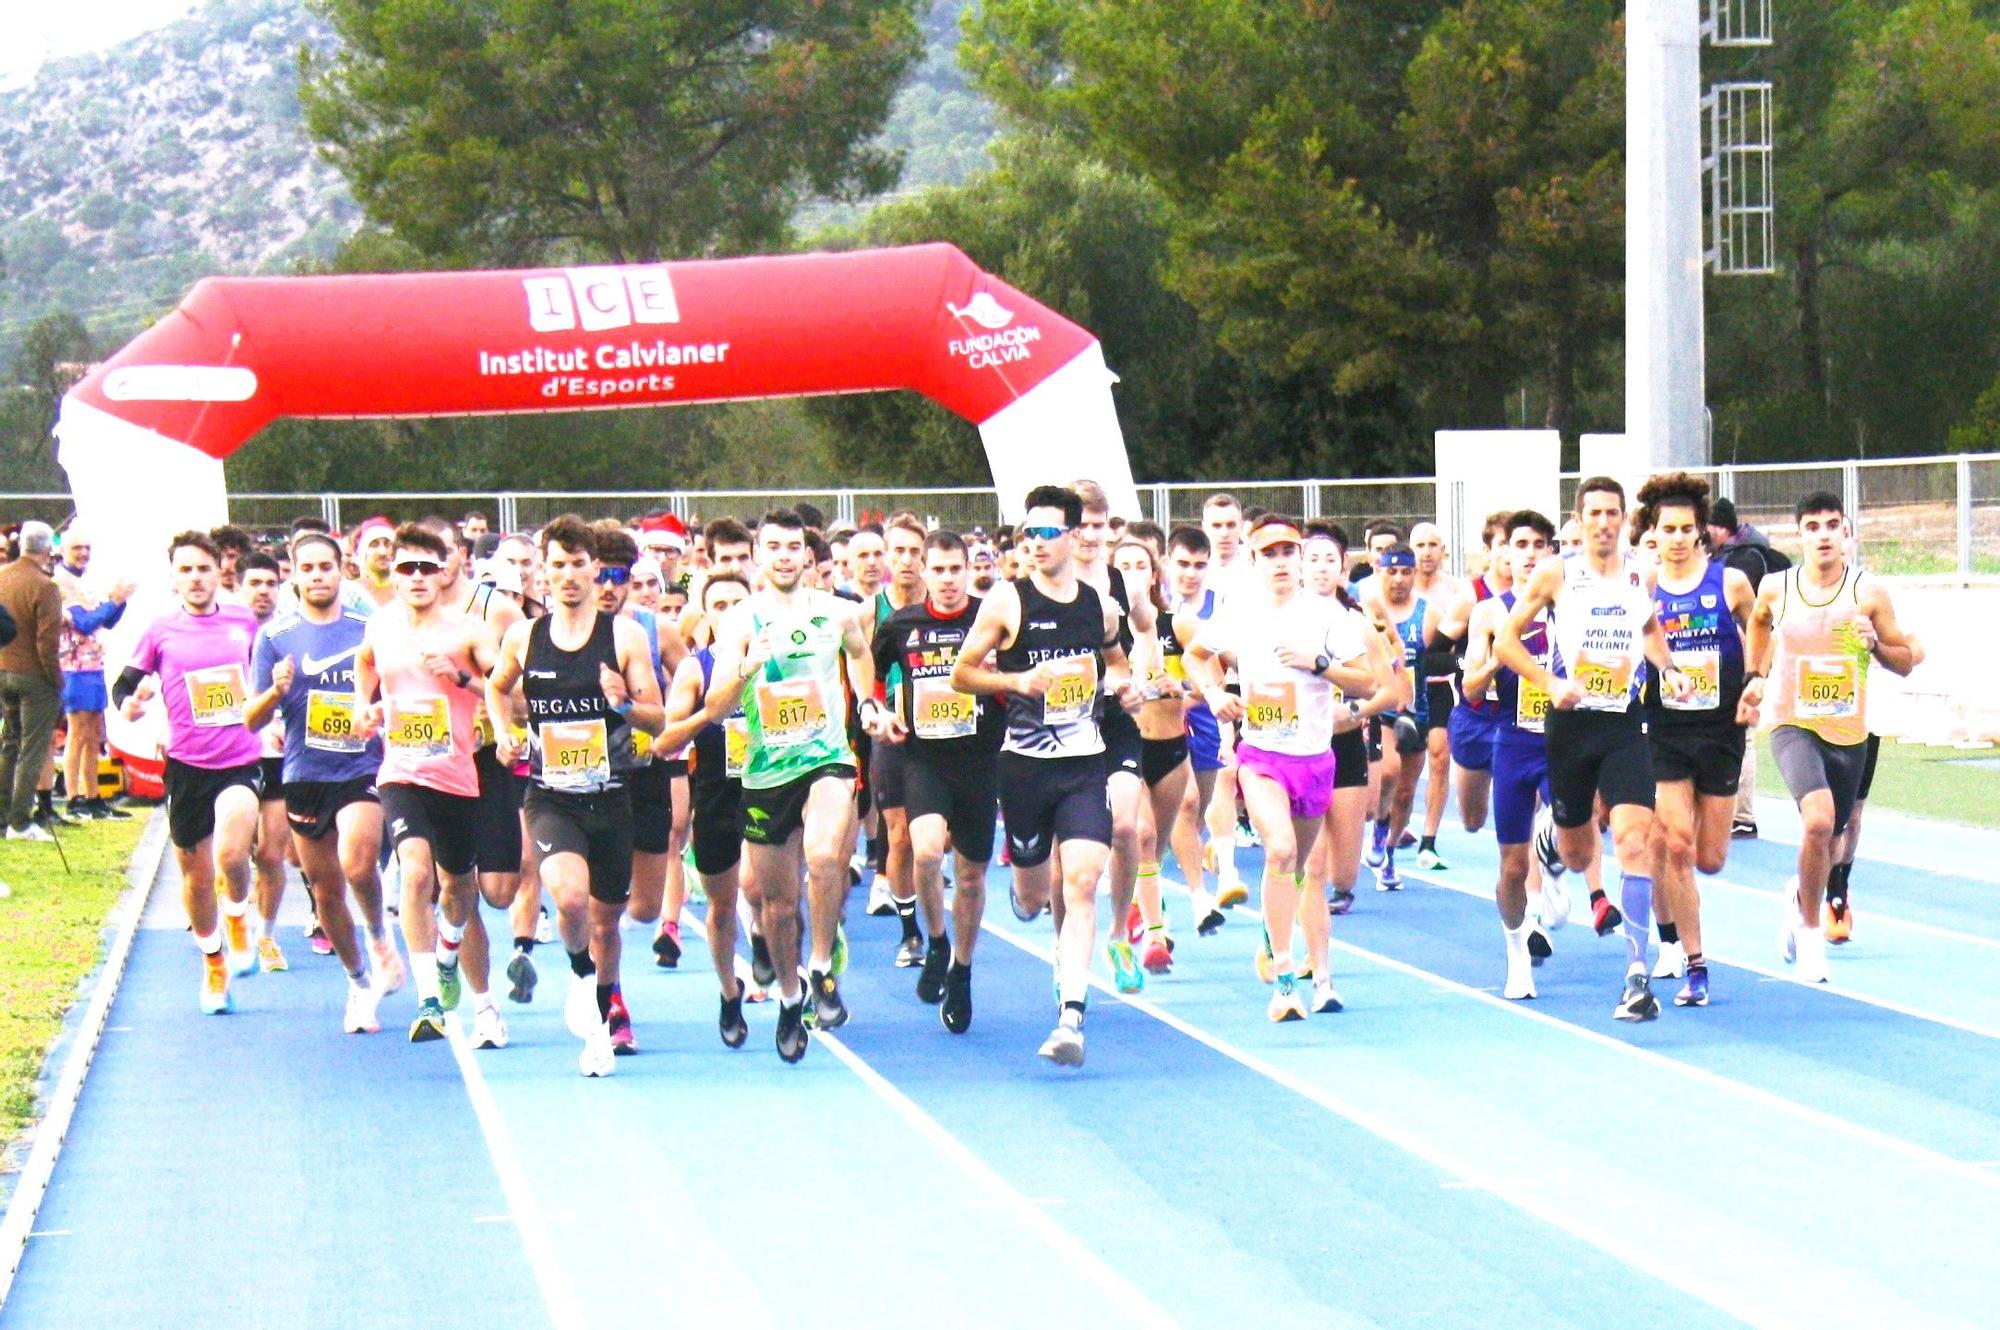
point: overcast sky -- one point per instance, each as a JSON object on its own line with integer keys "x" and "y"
{"x": 32, "y": 31}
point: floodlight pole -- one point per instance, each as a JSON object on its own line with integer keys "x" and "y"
{"x": 1665, "y": 375}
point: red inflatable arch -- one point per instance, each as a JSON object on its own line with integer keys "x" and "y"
{"x": 143, "y": 435}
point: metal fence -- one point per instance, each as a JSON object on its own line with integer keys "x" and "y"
{"x": 1924, "y": 517}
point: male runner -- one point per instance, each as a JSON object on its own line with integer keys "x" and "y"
{"x": 1191, "y": 601}
{"x": 1473, "y": 720}
{"x": 1697, "y": 743}
{"x": 903, "y": 538}
{"x": 200, "y": 652}
{"x": 303, "y": 667}
{"x": 1814, "y": 633}
{"x": 257, "y": 586}
{"x": 1055, "y": 644}
{"x": 1439, "y": 591}
{"x": 415, "y": 680}
{"x": 1604, "y": 626}
{"x": 588, "y": 680}
{"x": 1391, "y": 595}
{"x": 950, "y": 740}
{"x": 780, "y": 651}
{"x": 1291, "y": 650}
{"x": 1228, "y": 569}
{"x": 374, "y": 552}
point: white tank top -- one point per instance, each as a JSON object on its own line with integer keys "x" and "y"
{"x": 1600, "y": 632}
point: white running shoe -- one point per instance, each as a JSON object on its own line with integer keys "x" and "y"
{"x": 1555, "y": 903}
{"x": 580, "y": 1012}
{"x": 544, "y": 930}
{"x": 1520, "y": 972}
{"x": 360, "y": 1018}
{"x": 880, "y": 902}
{"x": 1672, "y": 962}
{"x": 1325, "y": 1001}
{"x": 597, "y": 1058}
{"x": 1793, "y": 921}
{"x": 1544, "y": 842}
{"x": 489, "y": 1028}
{"x": 1064, "y": 1046}
{"x": 1811, "y": 948}
{"x": 1287, "y": 1003}
{"x": 385, "y": 965}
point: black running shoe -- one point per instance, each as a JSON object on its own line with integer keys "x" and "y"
{"x": 792, "y": 1031}
{"x": 1637, "y": 1002}
{"x": 731, "y": 1024}
{"x": 930, "y": 980}
{"x": 107, "y": 811}
{"x": 956, "y": 1013}
{"x": 1538, "y": 945}
{"x": 828, "y": 1011}
{"x": 761, "y": 968}
{"x": 667, "y": 948}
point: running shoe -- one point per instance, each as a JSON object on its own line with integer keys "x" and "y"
{"x": 930, "y": 980}
{"x": 1743, "y": 828}
{"x": 1604, "y": 916}
{"x": 1672, "y": 963}
{"x": 1839, "y": 923}
{"x": 881, "y": 903}
{"x": 1637, "y": 1003}
{"x": 1021, "y": 911}
{"x": 909, "y": 953}
{"x": 1555, "y": 903}
{"x": 1339, "y": 901}
{"x": 837, "y": 964}
{"x": 599, "y": 1057}
{"x": 1546, "y": 851}
{"x": 451, "y": 984}
{"x": 828, "y": 1011}
{"x": 580, "y": 1012}
{"x": 105, "y": 811}
{"x": 1158, "y": 957}
{"x": 1695, "y": 992}
{"x": 1539, "y": 946}
{"x": 730, "y": 1023}
{"x": 1064, "y": 1046}
{"x": 956, "y": 1011}
{"x": 1207, "y": 917}
{"x": 1811, "y": 968}
{"x": 236, "y": 938}
{"x": 1520, "y": 985}
{"x": 1230, "y": 893}
{"x": 521, "y": 975}
{"x": 489, "y": 1028}
{"x": 1126, "y": 975}
{"x": 1246, "y": 835}
{"x": 619, "y": 1025}
{"x": 1431, "y": 861}
{"x": 269, "y": 959}
{"x": 429, "y": 1023}
{"x": 1135, "y": 925}
{"x": 1325, "y": 1002}
{"x": 792, "y": 1035}
{"x": 215, "y": 999}
{"x": 1386, "y": 877}
{"x": 761, "y": 968}
{"x": 747, "y": 977}
{"x": 360, "y": 1017}
{"x": 667, "y": 945}
{"x": 1378, "y": 843}
{"x": 321, "y": 944}
{"x": 1266, "y": 964}
{"x": 1791, "y": 922}
{"x": 1406, "y": 840}
{"x": 1287, "y": 1003}
{"x": 544, "y": 930}
{"x": 386, "y": 966}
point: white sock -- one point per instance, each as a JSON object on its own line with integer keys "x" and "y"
{"x": 424, "y": 973}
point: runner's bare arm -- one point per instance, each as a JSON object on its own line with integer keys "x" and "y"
{"x": 736, "y": 656}
{"x": 1539, "y": 595}
{"x": 367, "y": 684}
{"x": 635, "y": 669}
{"x": 1661, "y": 657}
{"x": 1205, "y": 669}
{"x": 1895, "y": 650}
{"x": 500, "y": 684}
{"x": 856, "y": 646}
{"x": 686, "y": 708}
{"x": 1482, "y": 666}
{"x": 995, "y": 626}
{"x": 1757, "y": 647}
{"x": 1742, "y": 597}
{"x": 1384, "y": 651}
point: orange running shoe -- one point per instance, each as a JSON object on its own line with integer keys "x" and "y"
{"x": 214, "y": 987}
{"x": 1839, "y": 923}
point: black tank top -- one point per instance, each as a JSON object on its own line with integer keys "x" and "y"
{"x": 1064, "y": 723}
{"x": 581, "y": 745}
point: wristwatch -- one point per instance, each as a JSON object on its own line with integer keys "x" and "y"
{"x": 1321, "y": 663}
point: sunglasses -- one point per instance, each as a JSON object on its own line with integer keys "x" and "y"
{"x": 419, "y": 567}
{"x": 613, "y": 574}
{"x": 1044, "y": 532}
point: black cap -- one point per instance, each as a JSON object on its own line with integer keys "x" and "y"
{"x": 1722, "y": 513}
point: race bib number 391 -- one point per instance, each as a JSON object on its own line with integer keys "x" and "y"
{"x": 1606, "y": 684}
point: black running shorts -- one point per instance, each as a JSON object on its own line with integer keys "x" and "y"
{"x": 313, "y": 806}
{"x": 886, "y": 774}
{"x": 1593, "y": 753}
{"x": 961, "y": 790}
{"x": 442, "y": 821}
{"x": 1047, "y": 800}
{"x": 191, "y": 796}
{"x": 1123, "y": 748}
{"x": 597, "y": 826}
{"x": 1810, "y": 763}
{"x": 1350, "y": 759}
{"x": 1709, "y": 755}
{"x": 270, "y": 779}
{"x": 1159, "y": 758}
{"x": 775, "y": 815}
{"x": 717, "y": 830}
{"x": 496, "y": 826}
{"x": 1868, "y": 770}
{"x": 652, "y": 792}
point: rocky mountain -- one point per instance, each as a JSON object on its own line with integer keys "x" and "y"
{"x": 128, "y": 174}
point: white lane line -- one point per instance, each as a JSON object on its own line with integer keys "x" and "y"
{"x": 558, "y": 1294}
{"x": 1026, "y": 1211}
{"x": 1769, "y": 972}
{"x": 1633, "y": 1251}
{"x": 1875, "y": 917}
{"x": 18, "y": 1224}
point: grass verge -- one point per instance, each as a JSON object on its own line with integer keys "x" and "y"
{"x": 51, "y": 936}
{"x": 1945, "y": 784}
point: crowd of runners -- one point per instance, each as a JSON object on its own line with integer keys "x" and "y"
{"x": 447, "y": 729}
